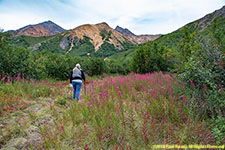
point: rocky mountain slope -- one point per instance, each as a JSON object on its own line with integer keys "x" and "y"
{"x": 208, "y": 19}
{"x": 137, "y": 39}
{"x": 208, "y": 27}
{"x": 80, "y": 41}
{"x": 102, "y": 40}
{"x": 98, "y": 34}
{"x": 203, "y": 27}
{"x": 42, "y": 29}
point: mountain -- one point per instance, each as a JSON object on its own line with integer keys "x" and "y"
{"x": 207, "y": 20}
{"x": 100, "y": 40}
{"x": 206, "y": 28}
{"x": 94, "y": 40}
{"x": 137, "y": 39}
{"x": 98, "y": 34}
{"x": 202, "y": 27}
{"x": 46, "y": 28}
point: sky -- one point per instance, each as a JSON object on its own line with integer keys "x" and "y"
{"x": 139, "y": 16}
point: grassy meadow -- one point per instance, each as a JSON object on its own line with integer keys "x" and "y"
{"x": 121, "y": 112}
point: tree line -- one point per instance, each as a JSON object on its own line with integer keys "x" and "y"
{"x": 45, "y": 64}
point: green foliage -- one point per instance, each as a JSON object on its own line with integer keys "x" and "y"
{"x": 45, "y": 64}
{"x": 105, "y": 35}
{"x": 52, "y": 45}
{"x": 62, "y": 101}
{"x": 206, "y": 64}
{"x": 127, "y": 45}
{"x": 93, "y": 66}
{"x": 37, "y": 65}
{"x": 105, "y": 50}
{"x": 82, "y": 47}
{"x": 151, "y": 57}
{"x": 124, "y": 56}
{"x": 13, "y": 60}
{"x": 218, "y": 129}
{"x": 29, "y": 41}
{"x": 117, "y": 66}
{"x": 187, "y": 46}
{"x": 41, "y": 91}
{"x": 117, "y": 112}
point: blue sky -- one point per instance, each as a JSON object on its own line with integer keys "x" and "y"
{"x": 139, "y": 16}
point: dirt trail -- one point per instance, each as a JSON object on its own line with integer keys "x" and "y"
{"x": 20, "y": 129}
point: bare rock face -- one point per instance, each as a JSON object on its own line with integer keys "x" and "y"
{"x": 137, "y": 39}
{"x": 98, "y": 33}
{"x": 42, "y": 29}
{"x": 36, "y": 46}
{"x": 64, "y": 42}
{"x": 208, "y": 19}
{"x": 125, "y": 31}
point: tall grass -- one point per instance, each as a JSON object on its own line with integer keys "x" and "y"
{"x": 129, "y": 112}
{"x": 16, "y": 93}
{"x": 135, "y": 111}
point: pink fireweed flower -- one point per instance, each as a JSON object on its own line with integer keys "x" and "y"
{"x": 62, "y": 127}
{"x": 74, "y": 130}
{"x": 9, "y": 79}
{"x": 18, "y": 77}
{"x": 50, "y": 102}
{"x": 119, "y": 94}
{"x": 32, "y": 80}
{"x": 23, "y": 76}
{"x": 85, "y": 128}
{"x": 44, "y": 122}
{"x": 204, "y": 88}
{"x": 184, "y": 99}
{"x": 151, "y": 91}
{"x": 86, "y": 147}
{"x": 89, "y": 105}
{"x": 169, "y": 91}
{"x": 3, "y": 76}
{"x": 131, "y": 106}
{"x": 205, "y": 103}
{"x": 192, "y": 84}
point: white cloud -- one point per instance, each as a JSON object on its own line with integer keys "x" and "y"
{"x": 140, "y": 16}
{"x": 12, "y": 21}
{"x": 125, "y": 13}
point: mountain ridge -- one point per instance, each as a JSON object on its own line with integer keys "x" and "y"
{"x": 137, "y": 39}
{"x": 98, "y": 34}
{"x": 46, "y": 28}
{"x": 91, "y": 38}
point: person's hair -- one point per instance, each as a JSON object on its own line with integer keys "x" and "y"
{"x": 74, "y": 69}
{"x": 77, "y": 67}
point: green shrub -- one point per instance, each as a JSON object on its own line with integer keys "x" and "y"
{"x": 151, "y": 57}
{"x": 218, "y": 129}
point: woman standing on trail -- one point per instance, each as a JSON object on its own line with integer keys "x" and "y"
{"x": 76, "y": 77}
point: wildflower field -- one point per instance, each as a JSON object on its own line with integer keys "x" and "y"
{"x": 122, "y": 112}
